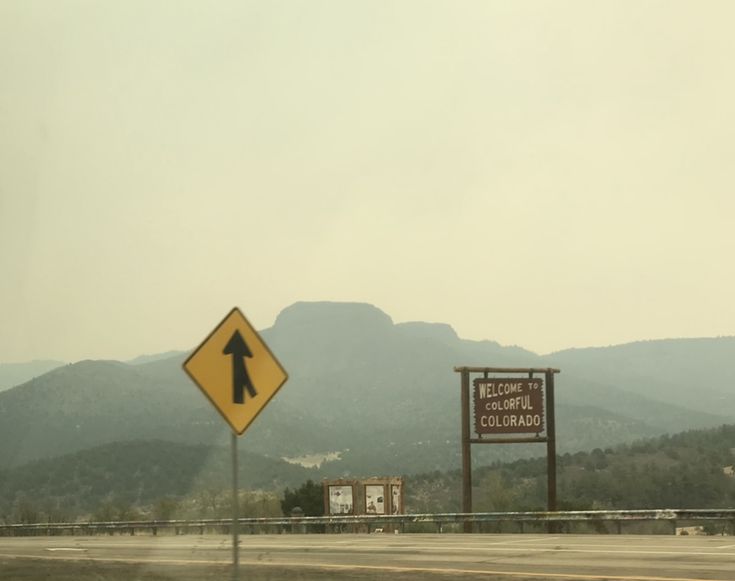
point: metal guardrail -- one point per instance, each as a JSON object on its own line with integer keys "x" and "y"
{"x": 368, "y": 523}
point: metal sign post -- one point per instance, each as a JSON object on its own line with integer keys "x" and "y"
{"x": 508, "y": 406}
{"x": 235, "y": 515}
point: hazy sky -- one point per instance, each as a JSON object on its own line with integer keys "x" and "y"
{"x": 548, "y": 174}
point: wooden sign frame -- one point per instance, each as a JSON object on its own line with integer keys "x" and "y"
{"x": 467, "y": 440}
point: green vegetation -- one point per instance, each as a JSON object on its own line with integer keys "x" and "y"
{"x": 141, "y": 478}
{"x": 162, "y": 480}
{"x": 686, "y": 470}
{"x": 309, "y": 497}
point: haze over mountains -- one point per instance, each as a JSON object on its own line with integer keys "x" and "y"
{"x": 12, "y": 374}
{"x": 383, "y": 395}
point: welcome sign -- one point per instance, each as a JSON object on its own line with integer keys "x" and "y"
{"x": 509, "y": 405}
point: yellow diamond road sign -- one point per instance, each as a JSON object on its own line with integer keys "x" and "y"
{"x": 236, "y": 371}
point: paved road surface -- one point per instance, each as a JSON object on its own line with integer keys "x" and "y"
{"x": 384, "y": 556}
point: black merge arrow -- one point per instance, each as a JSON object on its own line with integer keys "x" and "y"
{"x": 237, "y": 347}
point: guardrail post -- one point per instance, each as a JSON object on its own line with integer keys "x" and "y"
{"x": 296, "y": 514}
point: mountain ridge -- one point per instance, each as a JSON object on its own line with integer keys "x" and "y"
{"x": 359, "y": 383}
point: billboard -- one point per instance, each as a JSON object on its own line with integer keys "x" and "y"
{"x": 340, "y": 500}
{"x": 376, "y": 495}
{"x": 509, "y": 405}
{"x": 374, "y": 499}
{"x": 395, "y": 503}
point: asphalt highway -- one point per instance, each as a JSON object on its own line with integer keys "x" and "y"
{"x": 409, "y": 556}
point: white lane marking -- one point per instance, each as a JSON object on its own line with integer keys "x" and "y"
{"x": 494, "y": 548}
{"x": 491, "y": 547}
{"x": 65, "y": 549}
{"x": 565, "y": 550}
{"x": 395, "y": 569}
{"x": 525, "y": 574}
{"x": 670, "y": 547}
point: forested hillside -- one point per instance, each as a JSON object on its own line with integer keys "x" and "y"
{"x": 688, "y": 470}
{"x": 132, "y": 475}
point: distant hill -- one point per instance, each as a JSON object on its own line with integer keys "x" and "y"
{"x": 384, "y": 395}
{"x": 141, "y": 359}
{"x": 12, "y": 374}
{"x": 692, "y": 373}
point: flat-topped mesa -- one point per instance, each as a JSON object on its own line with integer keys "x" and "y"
{"x": 438, "y": 331}
{"x": 336, "y": 315}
